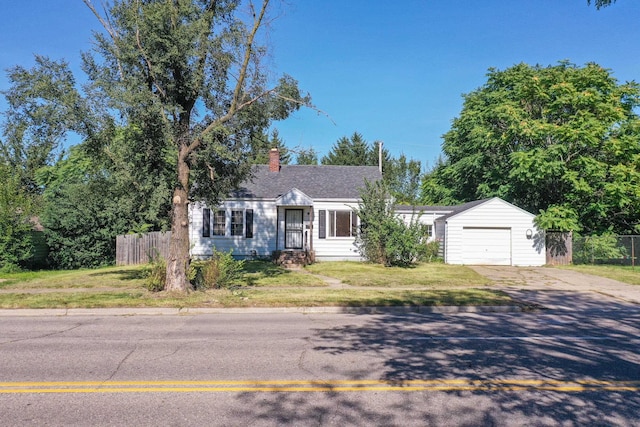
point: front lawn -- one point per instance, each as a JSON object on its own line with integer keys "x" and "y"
{"x": 621, "y": 273}
{"x": 127, "y": 277}
{"x": 263, "y": 285}
{"x": 436, "y": 275}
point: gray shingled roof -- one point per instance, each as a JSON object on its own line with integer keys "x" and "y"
{"x": 461, "y": 208}
{"x": 450, "y": 210}
{"x": 316, "y": 181}
{"x": 423, "y": 208}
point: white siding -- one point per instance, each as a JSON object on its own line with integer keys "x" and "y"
{"x": 426, "y": 218}
{"x": 497, "y": 214}
{"x": 267, "y": 236}
{"x": 264, "y": 230}
{"x": 334, "y": 248}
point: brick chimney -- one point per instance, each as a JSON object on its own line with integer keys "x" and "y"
{"x": 274, "y": 160}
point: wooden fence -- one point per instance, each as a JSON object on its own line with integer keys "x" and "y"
{"x": 559, "y": 248}
{"x": 142, "y": 248}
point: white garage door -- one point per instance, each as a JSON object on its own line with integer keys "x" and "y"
{"x": 486, "y": 246}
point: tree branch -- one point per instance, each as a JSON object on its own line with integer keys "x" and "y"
{"x": 235, "y": 100}
{"x": 108, "y": 26}
{"x": 247, "y": 57}
{"x": 202, "y": 55}
{"x": 149, "y": 65}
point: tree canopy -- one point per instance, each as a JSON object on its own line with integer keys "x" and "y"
{"x": 187, "y": 77}
{"x": 561, "y": 141}
{"x": 16, "y": 211}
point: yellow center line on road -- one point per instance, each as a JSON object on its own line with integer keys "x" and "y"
{"x": 314, "y": 386}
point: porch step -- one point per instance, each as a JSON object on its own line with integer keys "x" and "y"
{"x": 293, "y": 259}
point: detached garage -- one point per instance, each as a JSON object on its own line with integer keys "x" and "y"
{"x": 490, "y": 232}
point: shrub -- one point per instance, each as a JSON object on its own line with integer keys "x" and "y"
{"x": 221, "y": 271}
{"x": 597, "y": 249}
{"x": 384, "y": 238}
{"x": 431, "y": 251}
{"x": 156, "y": 275}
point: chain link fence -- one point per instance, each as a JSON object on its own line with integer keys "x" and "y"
{"x": 606, "y": 249}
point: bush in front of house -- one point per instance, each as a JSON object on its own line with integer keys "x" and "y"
{"x": 384, "y": 238}
{"x": 220, "y": 271}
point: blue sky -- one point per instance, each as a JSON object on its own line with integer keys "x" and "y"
{"x": 393, "y": 71}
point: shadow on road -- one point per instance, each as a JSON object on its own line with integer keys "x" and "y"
{"x": 596, "y": 344}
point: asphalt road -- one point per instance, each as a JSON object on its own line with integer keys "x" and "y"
{"x": 575, "y": 366}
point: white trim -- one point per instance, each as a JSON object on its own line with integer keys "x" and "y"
{"x": 294, "y": 197}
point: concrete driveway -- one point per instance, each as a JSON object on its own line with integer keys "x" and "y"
{"x": 553, "y": 287}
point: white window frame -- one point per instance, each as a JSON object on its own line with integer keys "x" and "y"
{"x": 216, "y": 212}
{"x": 332, "y": 223}
{"x": 233, "y": 232}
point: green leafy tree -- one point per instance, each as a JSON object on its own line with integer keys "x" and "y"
{"x": 307, "y": 156}
{"x": 81, "y": 214}
{"x": 44, "y": 108}
{"x": 16, "y": 210}
{"x": 433, "y": 187}
{"x": 384, "y": 238}
{"x": 193, "y": 67}
{"x": 561, "y": 141}
{"x": 90, "y": 197}
{"x": 189, "y": 75}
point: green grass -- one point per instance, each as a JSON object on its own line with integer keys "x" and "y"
{"x": 369, "y": 297}
{"x": 267, "y": 274}
{"x": 265, "y": 285}
{"x": 621, "y": 273}
{"x": 423, "y": 275}
{"x": 308, "y": 297}
{"x": 106, "y": 277}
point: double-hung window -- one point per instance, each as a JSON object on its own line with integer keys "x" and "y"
{"x": 237, "y": 223}
{"x": 219, "y": 223}
{"x": 340, "y": 223}
{"x": 240, "y": 224}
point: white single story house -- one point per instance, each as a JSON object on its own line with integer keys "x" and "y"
{"x": 304, "y": 213}
{"x": 299, "y": 210}
{"x": 483, "y": 232}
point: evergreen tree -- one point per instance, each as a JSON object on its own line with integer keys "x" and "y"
{"x": 352, "y": 151}
{"x": 307, "y": 156}
{"x": 262, "y": 143}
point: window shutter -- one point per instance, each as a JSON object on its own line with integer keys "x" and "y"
{"x": 322, "y": 224}
{"x": 249, "y": 225}
{"x": 206, "y": 222}
{"x": 354, "y": 224}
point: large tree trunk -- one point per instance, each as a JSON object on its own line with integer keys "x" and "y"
{"x": 178, "y": 261}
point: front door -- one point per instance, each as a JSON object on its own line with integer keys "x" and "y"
{"x": 293, "y": 229}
